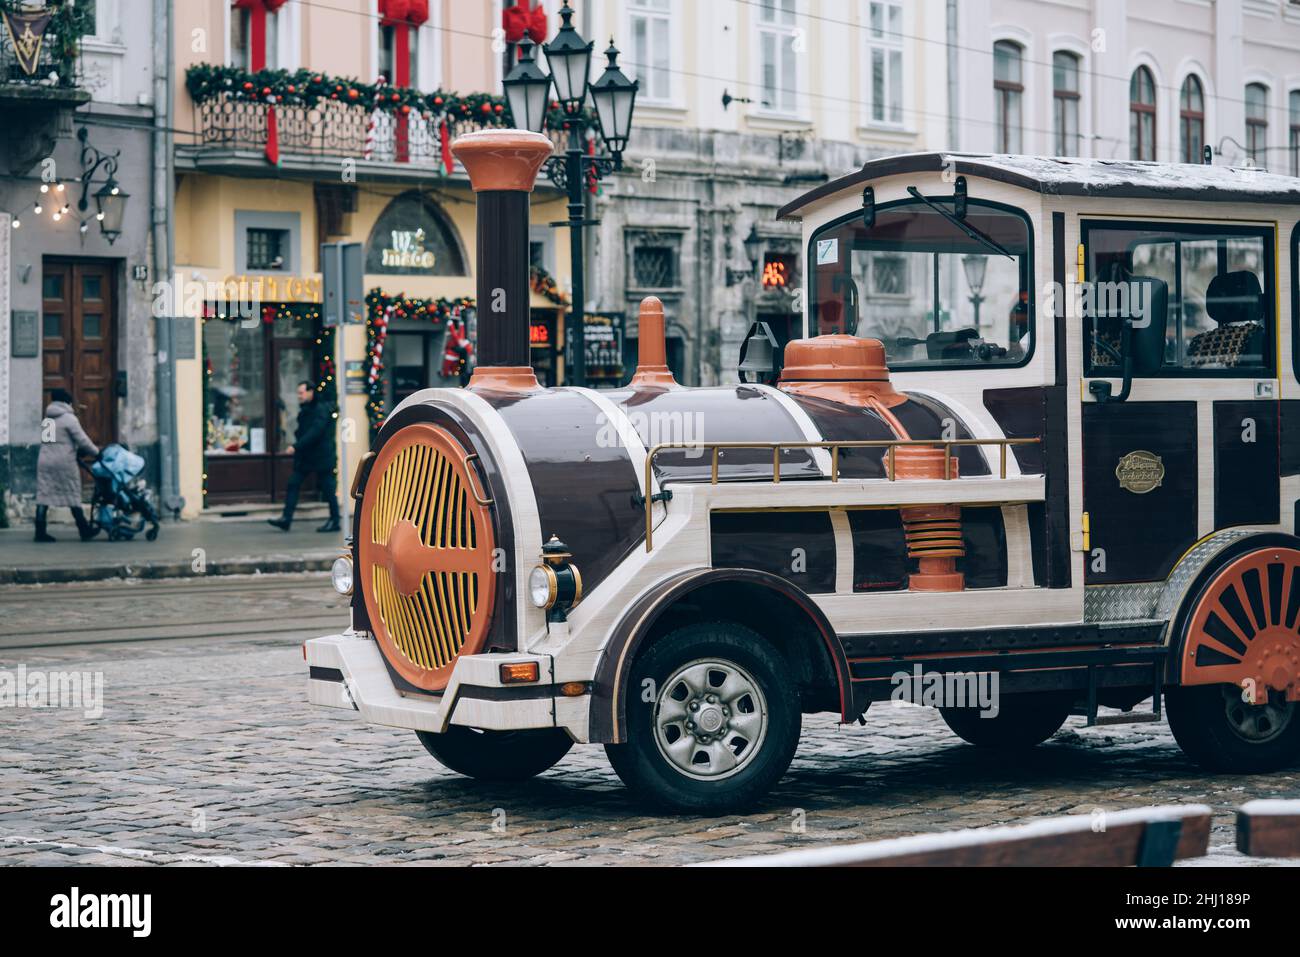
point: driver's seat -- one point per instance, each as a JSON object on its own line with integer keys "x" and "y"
{"x": 1235, "y": 301}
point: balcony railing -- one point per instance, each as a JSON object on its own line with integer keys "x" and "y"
{"x": 330, "y": 129}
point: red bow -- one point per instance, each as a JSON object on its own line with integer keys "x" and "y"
{"x": 395, "y": 12}
{"x": 521, "y": 19}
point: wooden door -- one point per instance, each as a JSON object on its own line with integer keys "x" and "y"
{"x": 78, "y": 348}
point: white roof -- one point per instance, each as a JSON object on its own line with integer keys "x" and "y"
{"x": 1068, "y": 176}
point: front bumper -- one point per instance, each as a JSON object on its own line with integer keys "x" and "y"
{"x": 348, "y": 671}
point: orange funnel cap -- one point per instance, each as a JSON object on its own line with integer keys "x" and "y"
{"x": 837, "y": 358}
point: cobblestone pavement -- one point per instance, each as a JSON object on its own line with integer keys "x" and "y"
{"x": 207, "y": 752}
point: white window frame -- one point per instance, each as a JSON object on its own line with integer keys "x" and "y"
{"x": 288, "y": 26}
{"x": 1272, "y": 132}
{"x": 671, "y": 17}
{"x": 1291, "y": 121}
{"x": 887, "y": 45}
{"x": 784, "y": 32}
{"x": 1026, "y": 108}
{"x": 288, "y": 31}
{"x": 429, "y": 47}
{"x": 1077, "y": 99}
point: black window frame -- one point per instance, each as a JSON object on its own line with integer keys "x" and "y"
{"x": 811, "y": 260}
{"x": 1265, "y": 231}
{"x": 284, "y": 243}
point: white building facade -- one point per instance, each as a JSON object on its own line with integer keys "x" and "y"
{"x": 1109, "y": 79}
{"x": 743, "y": 106}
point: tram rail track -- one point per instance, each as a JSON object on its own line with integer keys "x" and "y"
{"x": 285, "y": 607}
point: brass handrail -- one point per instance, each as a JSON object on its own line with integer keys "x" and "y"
{"x": 777, "y": 447}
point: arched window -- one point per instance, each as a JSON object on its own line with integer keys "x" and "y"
{"x": 1191, "y": 120}
{"x": 1294, "y": 142}
{"x": 1142, "y": 115}
{"x": 1257, "y": 123}
{"x": 1065, "y": 102}
{"x": 1009, "y": 91}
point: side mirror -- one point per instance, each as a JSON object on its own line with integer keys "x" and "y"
{"x": 1100, "y": 389}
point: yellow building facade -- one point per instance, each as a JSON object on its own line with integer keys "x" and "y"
{"x": 267, "y": 173}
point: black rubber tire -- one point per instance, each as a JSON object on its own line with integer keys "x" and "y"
{"x": 497, "y": 755}
{"x": 652, "y": 777}
{"x": 1023, "y": 720}
{"x": 1198, "y": 717}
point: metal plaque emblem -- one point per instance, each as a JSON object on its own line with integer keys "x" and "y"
{"x": 1139, "y": 472}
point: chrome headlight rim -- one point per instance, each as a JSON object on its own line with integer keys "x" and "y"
{"x": 341, "y": 576}
{"x": 535, "y": 583}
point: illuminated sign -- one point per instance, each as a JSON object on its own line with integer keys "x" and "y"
{"x": 407, "y": 250}
{"x": 539, "y": 334}
{"x": 269, "y": 289}
{"x": 778, "y": 271}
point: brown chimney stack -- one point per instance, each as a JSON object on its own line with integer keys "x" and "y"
{"x": 502, "y": 167}
{"x": 652, "y": 370}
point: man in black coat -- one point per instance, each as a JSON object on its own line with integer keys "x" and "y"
{"x": 313, "y": 451}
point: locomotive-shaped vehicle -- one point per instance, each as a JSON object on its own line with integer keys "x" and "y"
{"x": 1087, "y": 488}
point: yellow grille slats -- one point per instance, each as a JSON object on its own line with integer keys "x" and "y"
{"x": 423, "y": 484}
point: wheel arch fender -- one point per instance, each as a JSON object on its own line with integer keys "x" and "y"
{"x": 646, "y": 617}
{"x": 1187, "y": 585}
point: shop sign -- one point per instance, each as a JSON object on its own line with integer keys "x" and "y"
{"x": 25, "y": 343}
{"x": 603, "y": 335}
{"x": 414, "y": 237}
{"x": 183, "y": 344}
{"x": 272, "y": 288}
{"x": 407, "y": 250}
{"x": 354, "y": 377}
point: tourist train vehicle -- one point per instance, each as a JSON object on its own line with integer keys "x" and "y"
{"x": 1044, "y": 424}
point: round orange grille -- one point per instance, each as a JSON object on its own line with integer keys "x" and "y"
{"x": 426, "y": 547}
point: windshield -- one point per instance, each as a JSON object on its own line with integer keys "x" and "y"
{"x": 932, "y": 292}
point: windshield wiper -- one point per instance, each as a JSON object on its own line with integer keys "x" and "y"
{"x": 965, "y": 227}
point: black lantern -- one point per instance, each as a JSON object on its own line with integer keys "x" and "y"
{"x": 569, "y": 59}
{"x": 614, "y": 95}
{"x": 527, "y": 89}
{"x": 753, "y": 245}
{"x": 110, "y": 202}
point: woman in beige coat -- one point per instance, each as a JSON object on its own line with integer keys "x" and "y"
{"x": 58, "y": 480}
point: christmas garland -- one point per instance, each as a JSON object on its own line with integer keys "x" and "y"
{"x": 544, "y": 284}
{"x": 381, "y": 309}
{"x": 310, "y": 88}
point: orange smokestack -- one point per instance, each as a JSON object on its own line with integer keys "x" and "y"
{"x": 652, "y": 370}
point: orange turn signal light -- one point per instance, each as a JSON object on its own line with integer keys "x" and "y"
{"x": 573, "y": 689}
{"x": 520, "y": 674}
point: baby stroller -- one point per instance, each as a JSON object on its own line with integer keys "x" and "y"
{"x": 120, "y": 494}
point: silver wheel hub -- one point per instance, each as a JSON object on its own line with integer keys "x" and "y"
{"x": 1256, "y": 723}
{"x": 710, "y": 719}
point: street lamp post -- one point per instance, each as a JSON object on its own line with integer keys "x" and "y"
{"x": 613, "y": 95}
{"x": 974, "y": 266}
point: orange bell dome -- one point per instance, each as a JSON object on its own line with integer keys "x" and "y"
{"x": 835, "y": 358}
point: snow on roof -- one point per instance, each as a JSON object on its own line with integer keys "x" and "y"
{"x": 1067, "y": 176}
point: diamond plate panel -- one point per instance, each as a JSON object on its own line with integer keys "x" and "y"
{"x": 1130, "y": 602}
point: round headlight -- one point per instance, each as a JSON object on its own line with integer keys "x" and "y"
{"x": 341, "y": 575}
{"x": 542, "y": 586}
